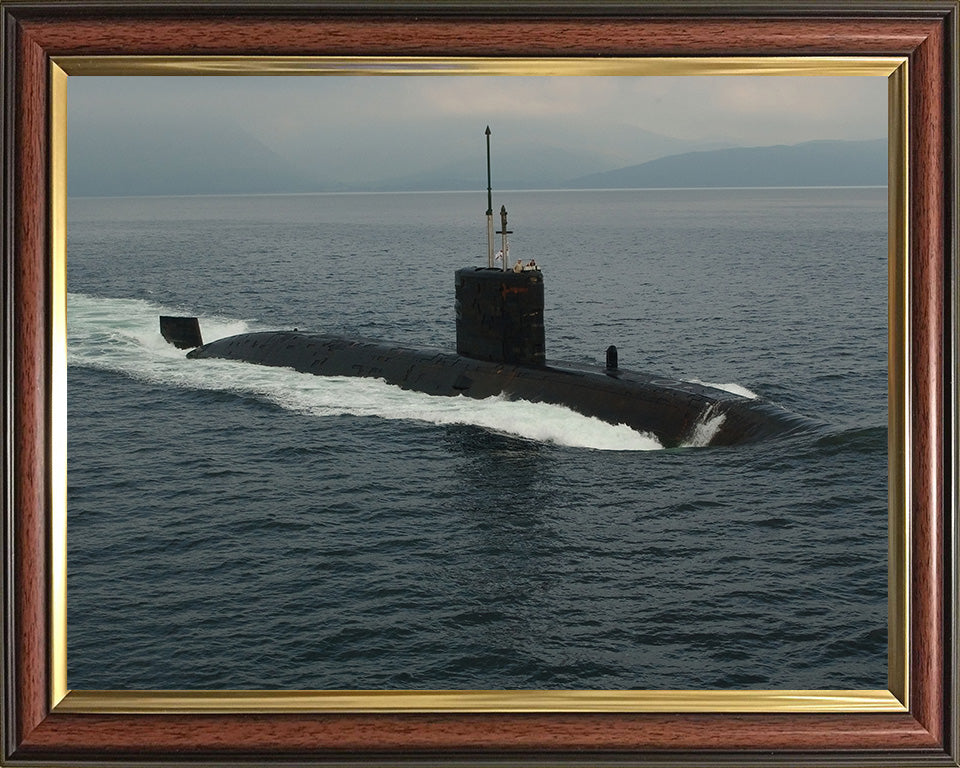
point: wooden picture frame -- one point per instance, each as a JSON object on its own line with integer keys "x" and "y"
{"x": 41, "y": 726}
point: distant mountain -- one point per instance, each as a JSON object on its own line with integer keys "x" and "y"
{"x": 449, "y": 152}
{"x": 131, "y": 157}
{"x": 530, "y": 163}
{"x": 159, "y": 154}
{"x": 813, "y": 163}
{"x": 165, "y": 155}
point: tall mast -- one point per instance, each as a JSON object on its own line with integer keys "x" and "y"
{"x": 490, "y": 209}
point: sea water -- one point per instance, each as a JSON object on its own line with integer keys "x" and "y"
{"x": 235, "y": 526}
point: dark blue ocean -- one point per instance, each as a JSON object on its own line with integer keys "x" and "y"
{"x": 234, "y": 526}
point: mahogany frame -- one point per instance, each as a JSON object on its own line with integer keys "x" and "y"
{"x": 35, "y": 733}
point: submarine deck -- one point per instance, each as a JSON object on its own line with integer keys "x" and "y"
{"x": 667, "y": 408}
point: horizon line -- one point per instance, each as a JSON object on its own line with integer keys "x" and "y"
{"x": 371, "y": 192}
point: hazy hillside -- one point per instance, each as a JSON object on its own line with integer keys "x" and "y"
{"x": 130, "y": 158}
{"x": 149, "y": 156}
{"x": 456, "y": 156}
{"x": 141, "y": 155}
{"x": 813, "y": 163}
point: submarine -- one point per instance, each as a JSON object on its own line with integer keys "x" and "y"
{"x": 500, "y": 351}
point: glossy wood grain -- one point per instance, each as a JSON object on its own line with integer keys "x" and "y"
{"x": 29, "y": 277}
{"x": 278, "y": 734}
{"x": 478, "y": 37}
{"x": 40, "y": 32}
{"x": 929, "y": 351}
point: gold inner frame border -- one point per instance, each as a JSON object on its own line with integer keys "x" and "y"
{"x": 894, "y": 699}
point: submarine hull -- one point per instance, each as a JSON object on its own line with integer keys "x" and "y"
{"x": 670, "y": 410}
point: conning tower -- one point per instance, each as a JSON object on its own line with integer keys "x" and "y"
{"x": 500, "y": 315}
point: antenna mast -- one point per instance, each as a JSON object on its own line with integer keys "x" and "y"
{"x": 490, "y": 210}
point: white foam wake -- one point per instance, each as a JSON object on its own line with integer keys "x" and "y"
{"x": 733, "y": 388}
{"x": 705, "y": 428}
{"x": 123, "y": 335}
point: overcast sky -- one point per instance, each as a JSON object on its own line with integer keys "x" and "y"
{"x": 366, "y": 126}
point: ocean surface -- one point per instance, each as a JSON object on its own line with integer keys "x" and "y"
{"x": 234, "y": 526}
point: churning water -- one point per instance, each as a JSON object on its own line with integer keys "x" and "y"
{"x": 235, "y": 526}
